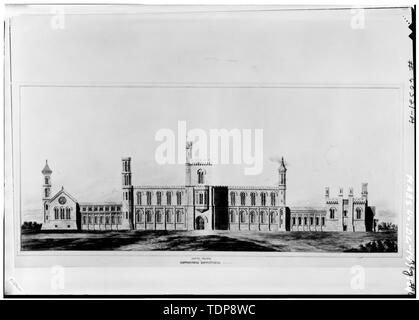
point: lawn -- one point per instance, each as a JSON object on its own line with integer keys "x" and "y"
{"x": 207, "y": 241}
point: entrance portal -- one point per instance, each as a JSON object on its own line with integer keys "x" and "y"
{"x": 200, "y": 223}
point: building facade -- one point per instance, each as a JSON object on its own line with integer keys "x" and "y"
{"x": 200, "y": 205}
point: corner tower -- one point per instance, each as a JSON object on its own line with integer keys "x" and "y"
{"x": 127, "y": 195}
{"x": 46, "y": 192}
{"x": 282, "y": 185}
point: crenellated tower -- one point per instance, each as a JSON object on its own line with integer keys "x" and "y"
{"x": 127, "y": 194}
{"x": 46, "y": 192}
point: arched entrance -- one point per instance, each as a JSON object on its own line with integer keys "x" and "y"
{"x": 199, "y": 223}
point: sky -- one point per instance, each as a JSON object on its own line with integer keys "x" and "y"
{"x": 325, "y": 95}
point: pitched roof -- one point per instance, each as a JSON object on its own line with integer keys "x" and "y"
{"x": 61, "y": 192}
{"x": 282, "y": 165}
{"x": 46, "y": 169}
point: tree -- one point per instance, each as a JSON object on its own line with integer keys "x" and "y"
{"x": 387, "y": 226}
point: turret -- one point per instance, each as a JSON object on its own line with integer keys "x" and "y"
{"x": 282, "y": 185}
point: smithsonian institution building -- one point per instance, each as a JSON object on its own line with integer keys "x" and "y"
{"x": 199, "y": 205}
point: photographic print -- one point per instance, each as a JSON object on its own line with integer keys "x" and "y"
{"x": 194, "y": 137}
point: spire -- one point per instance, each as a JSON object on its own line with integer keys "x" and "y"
{"x": 282, "y": 165}
{"x": 46, "y": 169}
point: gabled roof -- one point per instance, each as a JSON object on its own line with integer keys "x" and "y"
{"x": 46, "y": 169}
{"x": 62, "y": 191}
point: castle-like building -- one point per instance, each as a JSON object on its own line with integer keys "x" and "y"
{"x": 200, "y": 205}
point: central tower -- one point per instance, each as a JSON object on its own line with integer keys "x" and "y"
{"x": 198, "y": 173}
{"x": 199, "y": 192}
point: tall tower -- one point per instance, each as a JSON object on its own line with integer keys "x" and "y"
{"x": 197, "y": 172}
{"x": 282, "y": 182}
{"x": 199, "y": 192}
{"x": 364, "y": 192}
{"x": 46, "y": 192}
{"x": 127, "y": 195}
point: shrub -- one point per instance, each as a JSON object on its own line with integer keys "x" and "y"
{"x": 376, "y": 246}
{"x": 31, "y": 226}
{"x": 387, "y": 226}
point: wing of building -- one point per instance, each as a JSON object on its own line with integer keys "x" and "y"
{"x": 200, "y": 205}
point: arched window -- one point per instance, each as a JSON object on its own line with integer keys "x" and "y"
{"x": 253, "y": 199}
{"x": 263, "y": 198}
{"x": 101, "y": 219}
{"x": 299, "y": 221}
{"x": 137, "y": 216}
{"x": 84, "y": 220}
{"x": 243, "y": 198}
{"x": 273, "y": 199}
{"x": 305, "y": 221}
{"x": 262, "y": 217}
{"x": 148, "y": 198}
{"x": 242, "y": 217}
{"x": 56, "y": 216}
{"x": 232, "y": 219}
{"x": 252, "y": 217}
{"x": 272, "y": 217}
{"x": 179, "y": 198}
{"x": 158, "y": 216}
{"x": 178, "y": 216}
{"x": 46, "y": 180}
{"x": 62, "y": 216}
{"x": 68, "y": 213}
{"x": 200, "y": 176}
{"x": 332, "y": 213}
{"x": 282, "y": 178}
{"x": 158, "y": 194}
{"x": 138, "y": 197}
{"x": 149, "y": 217}
{"x": 46, "y": 193}
{"x": 168, "y": 217}
{"x": 358, "y": 213}
{"x": 169, "y": 198}
{"x": 232, "y": 198}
